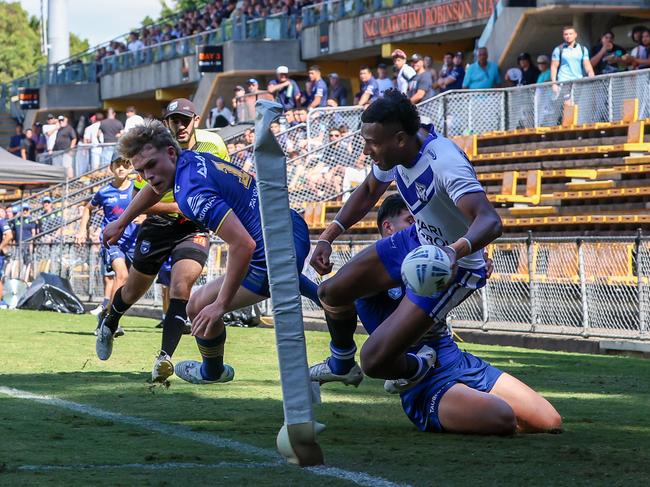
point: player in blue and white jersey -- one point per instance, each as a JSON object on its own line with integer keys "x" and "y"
{"x": 450, "y": 209}
{"x": 113, "y": 200}
{"x": 6, "y": 236}
{"x": 221, "y": 198}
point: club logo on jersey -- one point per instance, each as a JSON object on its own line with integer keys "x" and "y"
{"x": 202, "y": 168}
{"x": 395, "y": 293}
{"x": 421, "y": 191}
{"x": 196, "y": 202}
{"x": 145, "y": 247}
{"x": 432, "y": 154}
{"x": 172, "y": 106}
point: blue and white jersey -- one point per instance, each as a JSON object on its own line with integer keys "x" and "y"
{"x": 113, "y": 202}
{"x": 4, "y": 227}
{"x": 439, "y": 177}
{"x": 207, "y": 189}
{"x": 319, "y": 88}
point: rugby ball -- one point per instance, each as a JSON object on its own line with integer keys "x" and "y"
{"x": 426, "y": 270}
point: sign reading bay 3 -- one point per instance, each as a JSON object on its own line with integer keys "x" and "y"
{"x": 210, "y": 59}
{"x": 412, "y": 20}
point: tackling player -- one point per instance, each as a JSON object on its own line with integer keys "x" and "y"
{"x": 450, "y": 208}
{"x": 222, "y": 198}
{"x": 113, "y": 199}
{"x": 163, "y": 234}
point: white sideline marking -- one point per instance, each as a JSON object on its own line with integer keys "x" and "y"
{"x": 147, "y": 466}
{"x": 359, "y": 478}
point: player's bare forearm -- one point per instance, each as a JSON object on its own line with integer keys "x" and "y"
{"x": 485, "y": 227}
{"x": 142, "y": 201}
{"x": 239, "y": 257}
{"x": 361, "y": 201}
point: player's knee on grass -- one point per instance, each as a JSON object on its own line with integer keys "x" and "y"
{"x": 549, "y": 420}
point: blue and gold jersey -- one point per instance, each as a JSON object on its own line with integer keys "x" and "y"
{"x": 208, "y": 188}
{"x": 113, "y": 202}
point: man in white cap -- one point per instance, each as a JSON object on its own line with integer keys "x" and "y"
{"x": 405, "y": 73}
{"x": 285, "y": 90}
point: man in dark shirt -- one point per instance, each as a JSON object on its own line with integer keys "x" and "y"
{"x": 15, "y": 141}
{"x": 338, "y": 94}
{"x": 455, "y": 77}
{"x": 529, "y": 71}
{"x": 606, "y": 56}
{"x": 51, "y": 219}
{"x": 28, "y": 146}
{"x": 286, "y": 90}
{"x": 423, "y": 89}
{"x": 66, "y": 138}
{"x": 369, "y": 88}
{"x": 109, "y": 130}
{"x": 318, "y": 94}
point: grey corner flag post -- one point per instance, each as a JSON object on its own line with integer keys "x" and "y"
{"x": 297, "y": 438}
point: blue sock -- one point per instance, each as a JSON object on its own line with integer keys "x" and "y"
{"x": 341, "y": 361}
{"x": 417, "y": 367}
{"x": 212, "y": 353}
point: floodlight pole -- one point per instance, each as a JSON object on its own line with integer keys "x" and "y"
{"x": 270, "y": 163}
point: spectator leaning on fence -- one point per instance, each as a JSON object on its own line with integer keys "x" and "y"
{"x": 318, "y": 94}
{"x": 49, "y": 130}
{"x": 529, "y": 71}
{"x": 455, "y": 77}
{"x": 482, "y": 73}
{"x": 607, "y": 57}
{"x": 543, "y": 64}
{"x": 285, "y": 90}
{"x": 405, "y": 73}
{"x": 338, "y": 94}
{"x": 570, "y": 60}
{"x": 66, "y": 139}
{"x": 423, "y": 86}
{"x": 369, "y": 88}
{"x": 109, "y": 131}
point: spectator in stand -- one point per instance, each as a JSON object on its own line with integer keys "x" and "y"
{"x": 447, "y": 65}
{"x": 570, "y": 59}
{"x": 300, "y": 115}
{"x": 290, "y": 118}
{"x": 638, "y": 51}
{"x": 405, "y": 73}
{"x": 66, "y": 139}
{"x": 16, "y": 140}
{"x": 91, "y": 137}
{"x": 528, "y": 70}
{"x": 132, "y": 119}
{"x": 285, "y": 90}
{"x": 369, "y": 88}
{"x": 514, "y": 77}
{"x": 28, "y": 146}
{"x": 319, "y": 90}
{"x": 383, "y": 80}
{"x": 482, "y": 73}
{"x": 640, "y": 55}
{"x": 354, "y": 176}
{"x": 51, "y": 219}
{"x": 220, "y": 115}
{"x": 423, "y": 86}
{"x": 543, "y": 64}
{"x": 249, "y": 137}
{"x": 455, "y": 77}
{"x": 338, "y": 94}
{"x": 49, "y": 130}
{"x": 39, "y": 138}
{"x": 252, "y": 86}
{"x": 109, "y": 131}
{"x": 135, "y": 44}
{"x": 607, "y": 57}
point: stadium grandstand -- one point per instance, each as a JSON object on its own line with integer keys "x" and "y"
{"x": 548, "y": 99}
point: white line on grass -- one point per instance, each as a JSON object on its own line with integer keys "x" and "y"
{"x": 359, "y": 478}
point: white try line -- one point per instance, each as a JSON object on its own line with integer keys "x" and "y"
{"x": 359, "y": 478}
{"x": 147, "y": 466}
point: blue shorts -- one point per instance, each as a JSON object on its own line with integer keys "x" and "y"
{"x": 392, "y": 251}
{"x": 114, "y": 252}
{"x": 453, "y": 366}
{"x": 2, "y": 269}
{"x": 165, "y": 273}
{"x": 257, "y": 280}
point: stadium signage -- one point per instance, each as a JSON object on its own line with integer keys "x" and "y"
{"x": 210, "y": 59}
{"x": 451, "y": 12}
{"x": 28, "y": 98}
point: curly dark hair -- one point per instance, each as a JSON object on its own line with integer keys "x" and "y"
{"x": 393, "y": 107}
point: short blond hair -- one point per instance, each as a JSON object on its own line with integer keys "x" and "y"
{"x": 151, "y": 132}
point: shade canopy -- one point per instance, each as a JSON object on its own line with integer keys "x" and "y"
{"x": 17, "y": 172}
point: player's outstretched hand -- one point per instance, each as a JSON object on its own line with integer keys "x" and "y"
{"x": 80, "y": 238}
{"x": 112, "y": 233}
{"x": 320, "y": 258}
{"x": 207, "y": 319}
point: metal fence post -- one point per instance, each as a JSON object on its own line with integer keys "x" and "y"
{"x": 531, "y": 282}
{"x": 484, "y": 308}
{"x": 639, "y": 283}
{"x": 610, "y": 104}
{"x": 583, "y": 289}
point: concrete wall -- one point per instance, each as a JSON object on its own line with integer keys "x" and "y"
{"x": 69, "y": 97}
{"x": 243, "y": 56}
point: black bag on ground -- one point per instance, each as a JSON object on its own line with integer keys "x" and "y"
{"x": 50, "y": 292}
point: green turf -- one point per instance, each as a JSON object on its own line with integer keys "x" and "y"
{"x": 604, "y": 401}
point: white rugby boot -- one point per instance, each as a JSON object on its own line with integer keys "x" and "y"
{"x": 322, "y": 373}
{"x": 190, "y": 371}
{"x": 104, "y": 342}
{"x": 163, "y": 368}
{"x": 395, "y": 386}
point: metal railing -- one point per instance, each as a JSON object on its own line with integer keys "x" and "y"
{"x": 333, "y": 10}
{"x": 583, "y": 286}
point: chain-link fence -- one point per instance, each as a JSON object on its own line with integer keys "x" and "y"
{"x": 584, "y": 286}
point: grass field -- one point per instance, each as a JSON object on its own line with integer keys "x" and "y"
{"x": 180, "y": 435}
